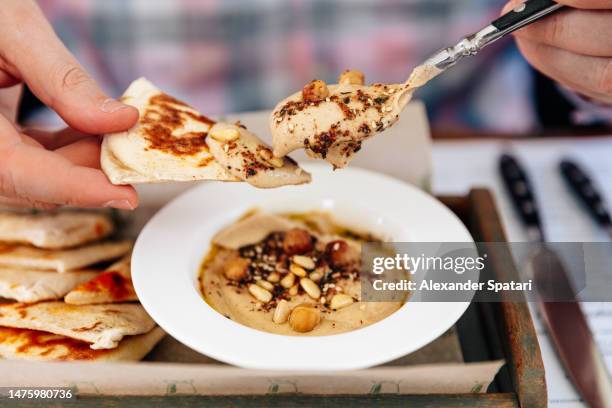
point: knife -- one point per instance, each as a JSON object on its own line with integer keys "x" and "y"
{"x": 522, "y": 15}
{"x": 565, "y": 321}
{"x": 583, "y": 187}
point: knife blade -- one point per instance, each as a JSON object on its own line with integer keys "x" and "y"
{"x": 562, "y": 314}
{"x": 569, "y": 330}
{"x": 581, "y": 184}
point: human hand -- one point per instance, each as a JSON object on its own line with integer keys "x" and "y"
{"x": 43, "y": 169}
{"x": 573, "y": 46}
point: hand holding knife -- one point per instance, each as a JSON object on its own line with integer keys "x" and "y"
{"x": 524, "y": 14}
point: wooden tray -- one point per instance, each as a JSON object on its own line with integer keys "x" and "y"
{"x": 487, "y": 331}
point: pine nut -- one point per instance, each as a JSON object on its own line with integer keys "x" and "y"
{"x": 341, "y": 300}
{"x": 303, "y": 261}
{"x": 281, "y": 313}
{"x": 267, "y": 155}
{"x": 311, "y": 288}
{"x": 274, "y": 277}
{"x": 315, "y": 276}
{"x": 266, "y": 285}
{"x": 225, "y": 135}
{"x": 293, "y": 290}
{"x": 288, "y": 281}
{"x": 260, "y": 293}
{"x": 277, "y": 162}
{"x": 297, "y": 270}
{"x": 304, "y": 318}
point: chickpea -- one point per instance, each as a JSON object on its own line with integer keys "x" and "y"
{"x": 340, "y": 254}
{"x": 236, "y": 269}
{"x": 304, "y": 318}
{"x": 351, "y": 77}
{"x": 297, "y": 241}
{"x": 315, "y": 91}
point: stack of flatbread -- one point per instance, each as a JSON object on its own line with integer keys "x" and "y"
{"x": 60, "y": 301}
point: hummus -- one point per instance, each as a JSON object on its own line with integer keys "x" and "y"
{"x": 331, "y": 122}
{"x": 300, "y": 277}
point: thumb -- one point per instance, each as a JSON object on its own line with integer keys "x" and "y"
{"x": 512, "y": 4}
{"x": 56, "y": 77}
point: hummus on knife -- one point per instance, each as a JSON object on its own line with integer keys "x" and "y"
{"x": 331, "y": 122}
{"x": 289, "y": 274}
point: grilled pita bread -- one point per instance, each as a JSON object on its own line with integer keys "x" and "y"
{"x": 101, "y": 325}
{"x": 62, "y": 260}
{"x": 25, "y": 344}
{"x": 111, "y": 286}
{"x": 29, "y": 286}
{"x": 61, "y": 230}
{"x": 170, "y": 143}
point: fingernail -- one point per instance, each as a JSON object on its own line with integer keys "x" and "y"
{"x": 511, "y": 5}
{"x": 120, "y": 204}
{"x": 112, "y": 105}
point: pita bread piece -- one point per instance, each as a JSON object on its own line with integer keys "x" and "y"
{"x": 170, "y": 143}
{"x": 111, "y": 286}
{"x": 29, "y": 286}
{"x": 251, "y": 229}
{"x": 167, "y": 144}
{"x": 34, "y": 345}
{"x": 60, "y": 230}
{"x": 245, "y": 156}
{"x": 62, "y": 260}
{"x": 101, "y": 325}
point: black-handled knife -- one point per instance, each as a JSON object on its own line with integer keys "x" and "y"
{"x": 519, "y": 187}
{"x": 583, "y": 187}
{"x": 563, "y": 316}
{"x": 522, "y": 15}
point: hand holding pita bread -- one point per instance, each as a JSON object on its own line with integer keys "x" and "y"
{"x": 47, "y": 169}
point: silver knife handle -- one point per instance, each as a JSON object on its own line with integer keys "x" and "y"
{"x": 526, "y": 13}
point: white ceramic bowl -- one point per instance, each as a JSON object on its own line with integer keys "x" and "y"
{"x": 170, "y": 249}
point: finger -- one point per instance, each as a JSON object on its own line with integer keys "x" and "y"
{"x": 9, "y": 101}
{"x": 7, "y": 80}
{"x": 587, "y": 4}
{"x": 34, "y": 53}
{"x": 22, "y": 203}
{"x": 85, "y": 152}
{"x": 38, "y": 175}
{"x": 41, "y": 175}
{"x": 586, "y": 32}
{"x": 55, "y": 140}
{"x": 591, "y": 76}
{"x": 581, "y": 4}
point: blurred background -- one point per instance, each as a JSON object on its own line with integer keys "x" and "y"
{"x": 244, "y": 55}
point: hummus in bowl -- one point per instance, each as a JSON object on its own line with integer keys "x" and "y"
{"x": 168, "y": 259}
{"x": 291, "y": 274}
